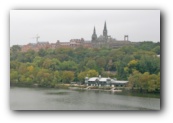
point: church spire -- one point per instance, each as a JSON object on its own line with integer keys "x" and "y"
{"x": 94, "y": 35}
{"x": 105, "y": 30}
{"x": 105, "y": 26}
{"x": 94, "y": 30}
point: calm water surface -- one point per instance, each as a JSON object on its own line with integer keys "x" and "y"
{"x": 61, "y": 99}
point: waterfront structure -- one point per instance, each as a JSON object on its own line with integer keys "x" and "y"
{"x": 104, "y": 40}
{"x": 103, "y": 81}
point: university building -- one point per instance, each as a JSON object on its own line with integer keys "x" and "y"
{"x": 104, "y": 40}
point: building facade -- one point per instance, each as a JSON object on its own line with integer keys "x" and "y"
{"x": 102, "y": 81}
{"x": 103, "y": 40}
{"x": 106, "y": 40}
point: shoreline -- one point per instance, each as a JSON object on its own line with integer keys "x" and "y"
{"x": 122, "y": 91}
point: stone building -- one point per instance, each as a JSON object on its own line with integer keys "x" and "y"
{"x": 106, "y": 40}
{"x": 103, "y": 40}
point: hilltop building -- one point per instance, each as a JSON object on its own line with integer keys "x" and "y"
{"x": 104, "y": 40}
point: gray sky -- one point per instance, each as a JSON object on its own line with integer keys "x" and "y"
{"x": 63, "y": 25}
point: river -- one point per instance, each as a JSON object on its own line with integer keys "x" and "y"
{"x": 65, "y": 99}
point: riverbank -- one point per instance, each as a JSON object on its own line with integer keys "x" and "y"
{"x": 120, "y": 91}
{"x": 115, "y": 90}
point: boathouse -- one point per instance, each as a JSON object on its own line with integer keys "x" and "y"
{"x": 102, "y": 81}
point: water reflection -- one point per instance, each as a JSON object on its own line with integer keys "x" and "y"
{"x": 59, "y": 99}
{"x": 57, "y": 93}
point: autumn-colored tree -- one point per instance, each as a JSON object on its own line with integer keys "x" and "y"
{"x": 67, "y": 76}
{"x": 146, "y": 81}
{"x": 134, "y": 79}
{"x": 82, "y": 75}
{"x": 30, "y": 68}
{"x": 47, "y": 63}
{"x": 92, "y": 73}
{"x": 56, "y": 77}
{"x": 44, "y": 77}
{"x": 47, "y": 67}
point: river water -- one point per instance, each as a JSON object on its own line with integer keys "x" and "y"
{"x": 62, "y": 99}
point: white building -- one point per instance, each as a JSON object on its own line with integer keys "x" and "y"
{"x": 102, "y": 81}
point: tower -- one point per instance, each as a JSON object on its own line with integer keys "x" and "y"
{"x": 94, "y": 35}
{"x": 126, "y": 37}
{"x": 105, "y": 32}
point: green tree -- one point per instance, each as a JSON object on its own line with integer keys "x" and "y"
{"x": 91, "y": 64}
{"x": 156, "y": 49}
{"x": 68, "y": 65}
{"x": 44, "y": 77}
{"x": 146, "y": 81}
{"x": 67, "y": 76}
{"x": 92, "y": 73}
{"x": 149, "y": 64}
{"x": 15, "y": 48}
{"x": 134, "y": 79}
{"x": 42, "y": 52}
{"x": 47, "y": 63}
{"x": 14, "y": 76}
{"x": 82, "y": 75}
{"x": 154, "y": 83}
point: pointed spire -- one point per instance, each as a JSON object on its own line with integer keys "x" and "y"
{"x": 105, "y": 26}
{"x": 94, "y": 35}
{"x": 105, "y": 30}
{"x": 94, "y": 30}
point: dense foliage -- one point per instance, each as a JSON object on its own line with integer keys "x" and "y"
{"x": 49, "y": 67}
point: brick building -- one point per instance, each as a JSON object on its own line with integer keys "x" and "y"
{"x": 104, "y": 40}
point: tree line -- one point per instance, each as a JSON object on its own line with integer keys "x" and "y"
{"x": 49, "y": 67}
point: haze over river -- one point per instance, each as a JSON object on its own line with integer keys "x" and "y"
{"x": 64, "y": 99}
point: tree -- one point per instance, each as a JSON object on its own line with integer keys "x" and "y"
{"x": 154, "y": 83}
{"x": 14, "y": 76}
{"x": 44, "y": 77}
{"x": 156, "y": 49}
{"x": 128, "y": 49}
{"x": 91, "y": 64}
{"x": 134, "y": 79}
{"x": 30, "y": 68}
{"x": 48, "y": 67}
{"x": 57, "y": 76}
{"x": 14, "y": 65}
{"x": 92, "y": 73}
{"x": 41, "y": 52}
{"x": 47, "y": 63}
{"x": 68, "y": 65}
{"x": 38, "y": 61}
{"x": 146, "y": 81}
{"x": 149, "y": 64}
{"x": 101, "y": 62}
{"x": 67, "y": 76}
{"x": 131, "y": 66}
{"x": 143, "y": 81}
{"x": 82, "y": 75}
{"x": 15, "y": 48}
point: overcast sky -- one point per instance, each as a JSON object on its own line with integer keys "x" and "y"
{"x": 63, "y": 25}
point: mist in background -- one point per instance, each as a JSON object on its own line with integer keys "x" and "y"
{"x": 63, "y": 25}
